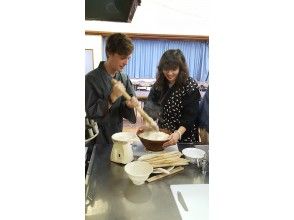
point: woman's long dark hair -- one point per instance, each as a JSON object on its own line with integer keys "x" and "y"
{"x": 171, "y": 60}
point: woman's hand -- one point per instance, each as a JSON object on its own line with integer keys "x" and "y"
{"x": 173, "y": 139}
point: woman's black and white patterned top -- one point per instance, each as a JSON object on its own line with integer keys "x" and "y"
{"x": 179, "y": 108}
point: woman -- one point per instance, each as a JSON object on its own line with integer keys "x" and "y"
{"x": 174, "y": 99}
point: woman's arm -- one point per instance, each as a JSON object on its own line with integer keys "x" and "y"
{"x": 175, "y": 137}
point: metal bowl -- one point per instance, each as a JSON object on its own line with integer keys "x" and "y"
{"x": 193, "y": 154}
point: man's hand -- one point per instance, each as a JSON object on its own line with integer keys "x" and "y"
{"x": 117, "y": 91}
{"x": 146, "y": 127}
{"x": 133, "y": 102}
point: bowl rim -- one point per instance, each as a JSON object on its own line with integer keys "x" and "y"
{"x": 141, "y": 162}
{"x": 185, "y": 150}
{"x": 91, "y": 138}
{"x": 131, "y": 134}
{"x": 157, "y": 141}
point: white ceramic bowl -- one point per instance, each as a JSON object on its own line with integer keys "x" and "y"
{"x": 127, "y": 137}
{"x": 138, "y": 171}
{"x": 192, "y": 154}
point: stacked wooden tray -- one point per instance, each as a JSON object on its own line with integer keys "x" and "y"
{"x": 172, "y": 161}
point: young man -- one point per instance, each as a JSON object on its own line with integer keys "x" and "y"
{"x": 104, "y": 101}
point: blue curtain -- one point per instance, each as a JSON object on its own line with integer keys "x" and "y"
{"x": 147, "y": 53}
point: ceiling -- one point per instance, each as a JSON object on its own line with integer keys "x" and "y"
{"x": 174, "y": 17}
{"x": 111, "y": 10}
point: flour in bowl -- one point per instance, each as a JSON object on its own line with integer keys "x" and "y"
{"x": 154, "y": 135}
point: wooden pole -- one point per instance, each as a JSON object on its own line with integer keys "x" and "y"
{"x": 139, "y": 109}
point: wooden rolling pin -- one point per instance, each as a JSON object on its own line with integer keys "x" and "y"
{"x": 139, "y": 109}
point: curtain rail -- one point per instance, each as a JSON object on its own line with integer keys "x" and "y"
{"x": 154, "y": 36}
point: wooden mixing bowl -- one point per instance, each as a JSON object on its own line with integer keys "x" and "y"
{"x": 152, "y": 145}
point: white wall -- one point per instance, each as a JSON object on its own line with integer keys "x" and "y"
{"x": 95, "y": 43}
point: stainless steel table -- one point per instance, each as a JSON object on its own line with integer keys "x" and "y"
{"x": 113, "y": 195}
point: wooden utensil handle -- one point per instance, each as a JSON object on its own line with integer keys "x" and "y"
{"x": 146, "y": 116}
{"x": 124, "y": 93}
{"x": 138, "y": 107}
{"x": 157, "y": 177}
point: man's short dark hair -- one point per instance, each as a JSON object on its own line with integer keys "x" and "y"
{"x": 119, "y": 43}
